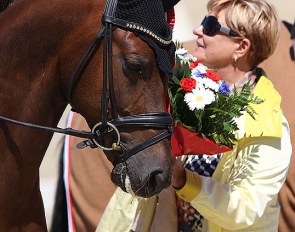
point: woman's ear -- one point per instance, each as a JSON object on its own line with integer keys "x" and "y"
{"x": 243, "y": 48}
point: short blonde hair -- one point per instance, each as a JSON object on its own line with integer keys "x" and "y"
{"x": 256, "y": 20}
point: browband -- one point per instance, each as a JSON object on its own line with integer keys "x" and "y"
{"x": 131, "y": 26}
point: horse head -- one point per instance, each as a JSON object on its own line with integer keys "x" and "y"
{"x": 126, "y": 103}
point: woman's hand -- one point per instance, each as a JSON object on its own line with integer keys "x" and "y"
{"x": 178, "y": 175}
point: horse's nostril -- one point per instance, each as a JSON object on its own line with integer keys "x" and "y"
{"x": 158, "y": 178}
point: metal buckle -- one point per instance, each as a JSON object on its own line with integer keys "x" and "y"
{"x": 115, "y": 146}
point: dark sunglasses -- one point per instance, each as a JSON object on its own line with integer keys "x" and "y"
{"x": 211, "y": 26}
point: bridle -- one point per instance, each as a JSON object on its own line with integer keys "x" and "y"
{"x": 156, "y": 120}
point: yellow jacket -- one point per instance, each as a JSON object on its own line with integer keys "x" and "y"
{"x": 242, "y": 193}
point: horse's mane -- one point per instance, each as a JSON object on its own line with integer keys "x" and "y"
{"x": 4, "y": 4}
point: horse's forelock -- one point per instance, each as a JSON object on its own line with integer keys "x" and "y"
{"x": 150, "y": 14}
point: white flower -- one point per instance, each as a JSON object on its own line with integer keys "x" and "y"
{"x": 188, "y": 58}
{"x": 200, "y": 68}
{"x": 198, "y": 98}
{"x": 181, "y": 51}
{"x": 183, "y": 56}
{"x": 194, "y": 59}
{"x": 208, "y": 83}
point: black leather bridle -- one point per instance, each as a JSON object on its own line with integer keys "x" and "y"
{"x": 157, "y": 120}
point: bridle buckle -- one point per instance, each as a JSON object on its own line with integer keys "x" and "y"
{"x": 97, "y": 130}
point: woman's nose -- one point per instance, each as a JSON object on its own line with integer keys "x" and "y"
{"x": 198, "y": 31}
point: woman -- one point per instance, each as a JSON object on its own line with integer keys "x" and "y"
{"x": 234, "y": 38}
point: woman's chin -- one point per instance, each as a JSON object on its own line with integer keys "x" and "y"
{"x": 199, "y": 53}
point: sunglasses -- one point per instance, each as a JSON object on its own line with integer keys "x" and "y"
{"x": 211, "y": 26}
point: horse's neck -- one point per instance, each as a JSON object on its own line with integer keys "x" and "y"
{"x": 38, "y": 43}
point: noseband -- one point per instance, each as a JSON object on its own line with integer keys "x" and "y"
{"x": 157, "y": 120}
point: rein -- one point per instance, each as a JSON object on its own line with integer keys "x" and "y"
{"x": 156, "y": 120}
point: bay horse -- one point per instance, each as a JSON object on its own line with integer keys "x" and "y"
{"x": 111, "y": 63}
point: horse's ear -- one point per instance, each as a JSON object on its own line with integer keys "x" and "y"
{"x": 169, "y": 8}
{"x": 168, "y": 4}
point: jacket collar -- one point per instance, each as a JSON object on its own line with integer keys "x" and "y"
{"x": 268, "y": 117}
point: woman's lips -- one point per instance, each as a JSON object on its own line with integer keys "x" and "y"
{"x": 200, "y": 45}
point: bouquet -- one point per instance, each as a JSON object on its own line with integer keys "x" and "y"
{"x": 204, "y": 108}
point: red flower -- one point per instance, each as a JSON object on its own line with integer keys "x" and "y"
{"x": 212, "y": 75}
{"x": 188, "y": 84}
{"x": 194, "y": 64}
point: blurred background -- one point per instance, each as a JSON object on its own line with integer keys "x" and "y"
{"x": 189, "y": 14}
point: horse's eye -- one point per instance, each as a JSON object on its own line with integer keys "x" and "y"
{"x": 136, "y": 68}
{"x": 133, "y": 66}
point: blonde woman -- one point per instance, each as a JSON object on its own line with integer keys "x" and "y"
{"x": 240, "y": 192}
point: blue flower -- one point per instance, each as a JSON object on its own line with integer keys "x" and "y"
{"x": 224, "y": 88}
{"x": 197, "y": 73}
